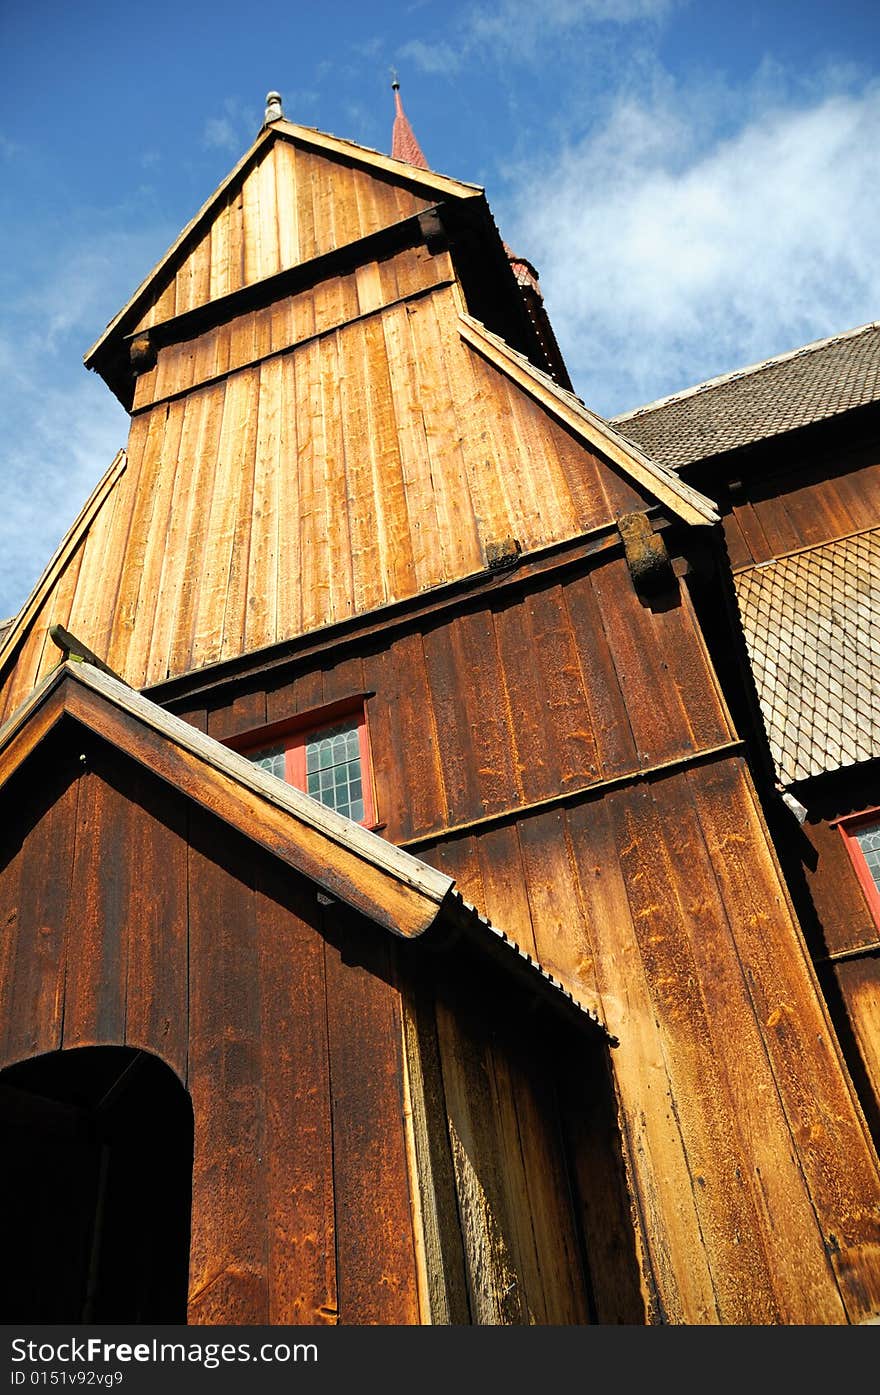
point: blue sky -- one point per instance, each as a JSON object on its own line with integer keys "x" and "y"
{"x": 696, "y": 182}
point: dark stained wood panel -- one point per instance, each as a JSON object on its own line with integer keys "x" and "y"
{"x": 229, "y": 1249}
{"x": 377, "y": 1279}
{"x": 298, "y": 1132}
{"x": 827, "y": 498}
{"x": 35, "y": 887}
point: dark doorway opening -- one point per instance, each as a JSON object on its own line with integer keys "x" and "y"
{"x": 96, "y": 1155}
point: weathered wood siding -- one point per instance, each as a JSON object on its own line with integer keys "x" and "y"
{"x": 289, "y": 206}
{"x": 648, "y": 886}
{"x": 829, "y": 494}
{"x": 284, "y": 1020}
{"x": 368, "y": 464}
{"x": 526, "y": 1211}
{"x": 132, "y": 918}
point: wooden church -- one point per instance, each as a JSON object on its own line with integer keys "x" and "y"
{"x": 399, "y": 919}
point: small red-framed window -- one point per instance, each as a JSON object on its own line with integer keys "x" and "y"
{"x": 862, "y": 838}
{"x": 328, "y": 757}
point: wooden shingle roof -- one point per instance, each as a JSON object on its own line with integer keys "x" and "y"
{"x": 812, "y": 627}
{"x": 780, "y": 394}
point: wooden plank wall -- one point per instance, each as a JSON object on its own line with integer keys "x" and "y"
{"x": 528, "y": 1195}
{"x": 134, "y": 919}
{"x": 505, "y": 702}
{"x": 659, "y": 900}
{"x": 830, "y": 495}
{"x": 367, "y": 465}
{"x": 276, "y": 216}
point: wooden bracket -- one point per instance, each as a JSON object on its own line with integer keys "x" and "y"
{"x": 432, "y": 230}
{"x": 74, "y": 649}
{"x": 646, "y": 555}
{"x": 142, "y": 353}
{"x": 502, "y": 553}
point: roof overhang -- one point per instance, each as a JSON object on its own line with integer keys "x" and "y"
{"x": 663, "y": 484}
{"x": 349, "y": 863}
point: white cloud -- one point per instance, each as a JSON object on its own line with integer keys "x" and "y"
{"x": 523, "y": 31}
{"x": 234, "y": 128}
{"x": 62, "y": 425}
{"x": 667, "y": 255}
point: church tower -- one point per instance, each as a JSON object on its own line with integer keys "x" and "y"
{"x": 409, "y": 826}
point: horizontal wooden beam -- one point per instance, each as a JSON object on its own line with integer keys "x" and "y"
{"x": 555, "y": 560}
{"x": 579, "y": 796}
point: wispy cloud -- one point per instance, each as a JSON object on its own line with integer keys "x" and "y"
{"x": 521, "y": 31}
{"x": 62, "y": 426}
{"x": 666, "y": 257}
{"x": 233, "y": 128}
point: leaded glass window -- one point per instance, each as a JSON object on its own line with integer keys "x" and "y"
{"x": 333, "y": 769}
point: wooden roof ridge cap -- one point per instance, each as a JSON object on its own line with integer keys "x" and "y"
{"x": 690, "y": 505}
{"x": 325, "y": 140}
{"x": 494, "y": 934}
{"x": 736, "y": 374}
{"x": 264, "y": 137}
{"x": 62, "y": 553}
{"x": 363, "y": 843}
{"x": 319, "y": 140}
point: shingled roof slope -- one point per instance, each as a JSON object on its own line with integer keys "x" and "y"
{"x": 812, "y": 627}
{"x": 807, "y": 385}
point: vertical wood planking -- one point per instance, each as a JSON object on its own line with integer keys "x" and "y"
{"x": 394, "y": 528}
{"x": 299, "y": 1145}
{"x": 286, "y": 204}
{"x": 458, "y": 541}
{"x": 234, "y": 609}
{"x": 156, "y": 984}
{"x": 97, "y": 929}
{"x": 263, "y": 554}
{"x": 495, "y": 1286}
{"x": 663, "y": 1192}
{"x": 716, "y": 1166}
{"x": 218, "y": 405}
{"x": 136, "y": 663}
{"x": 377, "y": 1279}
{"x": 420, "y": 505}
{"x": 563, "y": 689}
{"x": 369, "y": 581}
{"x": 562, "y": 937}
{"x": 504, "y": 893}
{"x": 229, "y": 1249}
{"x": 337, "y": 518}
{"x": 814, "y": 1087}
{"x": 35, "y": 887}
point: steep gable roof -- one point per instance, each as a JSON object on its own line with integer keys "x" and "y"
{"x": 687, "y": 503}
{"x": 779, "y": 394}
{"x": 391, "y": 887}
{"x": 14, "y": 629}
{"x": 431, "y": 186}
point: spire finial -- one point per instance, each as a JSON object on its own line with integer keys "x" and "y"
{"x": 404, "y": 145}
{"x": 273, "y": 108}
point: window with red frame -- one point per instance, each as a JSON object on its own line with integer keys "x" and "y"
{"x": 862, "y": 838}
{"x": 329, "y": 761}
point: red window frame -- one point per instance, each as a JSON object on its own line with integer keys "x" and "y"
{"x": 294, "y": 735}
{"x": 848, "y": 828}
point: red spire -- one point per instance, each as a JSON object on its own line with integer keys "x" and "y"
{"x": 404, "y": 145}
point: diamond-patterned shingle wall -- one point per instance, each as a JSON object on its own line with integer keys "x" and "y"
{"x": 812, "y": 626}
